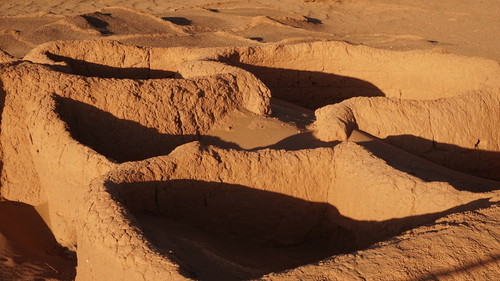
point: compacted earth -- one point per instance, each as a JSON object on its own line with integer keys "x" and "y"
{"x": 248, "y": 140}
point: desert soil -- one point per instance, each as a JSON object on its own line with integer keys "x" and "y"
{"x": 237, "y": 140}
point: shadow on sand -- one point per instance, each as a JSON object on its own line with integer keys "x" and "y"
{"x": 222, "y": 231}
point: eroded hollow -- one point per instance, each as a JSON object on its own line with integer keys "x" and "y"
{"x": 119, "y": 139}
{"x": 222, "y": 231}
{"x": 225, "y": 231}
{"x": 459, "y": 132}
{"x": 304, "y": 86}
{"x": 102, "y": 70}
{"x": 472, "y": 161}
{"x": 313, "y": 75}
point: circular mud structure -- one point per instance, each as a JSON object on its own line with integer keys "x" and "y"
{"x": 99, "y": 131}
{"x": 198, "y": 213}
{"x": 77, "y": 128}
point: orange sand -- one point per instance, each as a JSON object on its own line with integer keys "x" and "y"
{"x": 237, "y": 140}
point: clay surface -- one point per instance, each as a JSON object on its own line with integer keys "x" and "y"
{"x": 293, "y": 140}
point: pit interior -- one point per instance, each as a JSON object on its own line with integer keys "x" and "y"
{"x": 472, "y": 161}
{"x": 304, "y": 86}
{"x": 310, "y": 79}
{"x": 309, "y": 83}
{"x": 221, "y": 231}
{"x": 102, "y": 69}
{"x": 118, "y": 139}
{"x": 319, "y": 75}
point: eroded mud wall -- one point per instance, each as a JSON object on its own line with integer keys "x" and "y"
{"x": 316, "y": 74}
{"x": 58, "y": 124}
{"x": 460, "y": 132}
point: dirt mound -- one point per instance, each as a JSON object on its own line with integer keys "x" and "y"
{"x": 21, "y": 34}
{"x": 124, "y": 21}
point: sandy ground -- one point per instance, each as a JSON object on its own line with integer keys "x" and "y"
{"x": 461, "y": 27}
{"x": 427, "y": 116}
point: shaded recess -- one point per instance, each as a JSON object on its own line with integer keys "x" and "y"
{"x": 309, "y": 89}
{"x": 91, "y": 69}
{"x": 459, "y": 132}
{"x": 38, "y": 254}
{"x": 222, "y": 231}
{"x": 427, "y": 171}
{"x": 119, "y": 139}
{"x": 98, "y": 22}
{"x": 481, "y": 163}
{"x": 2, "y": 105}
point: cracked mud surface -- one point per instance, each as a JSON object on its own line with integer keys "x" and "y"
{"x": 249, "y": 160}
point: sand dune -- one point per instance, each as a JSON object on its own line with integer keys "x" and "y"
{"x": 236, "y": 140}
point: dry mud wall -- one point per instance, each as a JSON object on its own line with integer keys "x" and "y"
{"x": 311, "y": 75}
{"x": 460, "y": 132}
{"x": 108, "y": 115}
{"x": 317, "y": 74}
{"x": 455, "y": 247}
{"x": 200, "y": 207}
{"x": 59, "y": 131}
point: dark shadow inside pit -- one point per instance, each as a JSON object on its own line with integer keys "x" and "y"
{"x": 2, "y": 105}
{"x": 477, "y": 162}
{"x": 309, "y": 89}
{"x": 258, "y": 39}
{"x": 305, "y": 140}
{"x": 409, "y": 162}
{"x": 33, "y": 244}
{"x": 313, "y": 20}
{"x": 90, "y": 69}
{"x": 118, "y": 139}
{"x": 221, "y": 231}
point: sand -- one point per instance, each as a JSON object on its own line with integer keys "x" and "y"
{"x": 247, "y": 140}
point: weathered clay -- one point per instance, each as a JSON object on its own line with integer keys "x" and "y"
{"x": 59, "y": 131}
{"x": 101, "y": 142}
{"x": 442, "y": 131}
{"x": 270, "y": 199}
